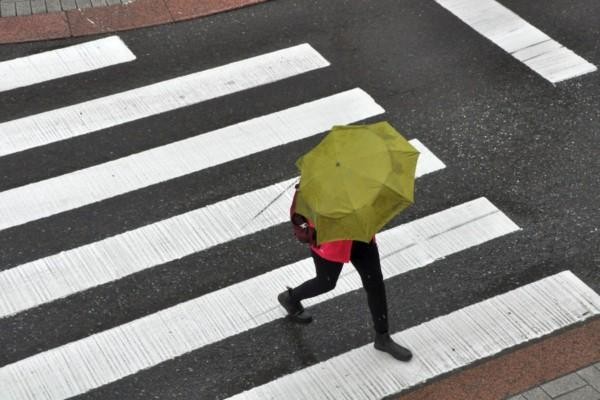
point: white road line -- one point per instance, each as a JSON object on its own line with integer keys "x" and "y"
{"x": 105, "y": 112}
{"x": 443, "y": 344}
{"x": 63, "y": 62}
{"x": 523, "y": 41}
{"x": 103, "y": 181}
{"x": 68, "y": 272}
{"x": 105, "y": 357}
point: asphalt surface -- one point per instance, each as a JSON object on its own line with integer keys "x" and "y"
{"x": 504, "y": 133}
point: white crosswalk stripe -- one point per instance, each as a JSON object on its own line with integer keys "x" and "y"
{"x": 80, "y": 119}
{"x": 443, "y": 344}
{"x": 110, "y": 355}
{"x": 63, "y": 62}
{"x": 42, "y": 199}
{"x": 523, "y": 41}
{"x": 70, "y": 271}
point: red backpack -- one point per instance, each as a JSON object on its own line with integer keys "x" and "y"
{"x": 302, "y": 229}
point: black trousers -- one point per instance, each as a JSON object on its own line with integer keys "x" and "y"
{"x": 365, "y": 258}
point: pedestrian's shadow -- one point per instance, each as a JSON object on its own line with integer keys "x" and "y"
{"x": 300, "y": 338}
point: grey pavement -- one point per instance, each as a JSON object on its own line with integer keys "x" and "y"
{"x": 579, "y": 385}
{"x": 12, "y": 8}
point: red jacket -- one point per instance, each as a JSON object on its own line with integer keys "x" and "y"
{"x": 336, "y": 251}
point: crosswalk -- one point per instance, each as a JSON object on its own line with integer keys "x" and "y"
{"x": 109, "y": 356}
{"x": 105, "y": 112}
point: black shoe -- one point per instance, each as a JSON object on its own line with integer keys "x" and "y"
{"x": 295, "y": 310}
{"x": 384, "y": 342}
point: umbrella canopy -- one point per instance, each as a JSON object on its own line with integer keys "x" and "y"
{"x": 356, "y": 180}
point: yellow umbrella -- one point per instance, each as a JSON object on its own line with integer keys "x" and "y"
{"x": 356, "y": 180}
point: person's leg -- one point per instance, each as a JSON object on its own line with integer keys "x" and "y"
{"x": 327, "y": 274}
{"x": 365, "y": 258}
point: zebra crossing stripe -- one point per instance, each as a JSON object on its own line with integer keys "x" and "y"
{"x": 83, "y": 118}
{"x": 523, "y": 41}
{"x": 51, "y": 196}
{"x": 68, "y": 272}
{"x": 63, "y": 62}
{"x": 443, "y": 344}
{"x": 105, "y": 357}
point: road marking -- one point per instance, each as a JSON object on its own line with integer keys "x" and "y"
{"x": 90, "y": 116}
{"x": 105, "y": 357}
{"x": 51, "y": 196}
{"x": 68, "y": 272}
{"x": 63, "y": 62}
{"x": 443, "y": 344}
{"x": 523, "y": 41}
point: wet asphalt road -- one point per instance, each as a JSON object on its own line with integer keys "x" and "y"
{"x": 531, "y": 148}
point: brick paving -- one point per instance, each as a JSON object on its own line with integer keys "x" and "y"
{"x": 579, "y": 385}
{"x": 31, "y": 20}
{"x": 12, "y": 8}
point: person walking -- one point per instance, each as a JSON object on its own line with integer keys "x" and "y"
{"x": 329, "y": 259}
{"x": 351, "y": 184}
